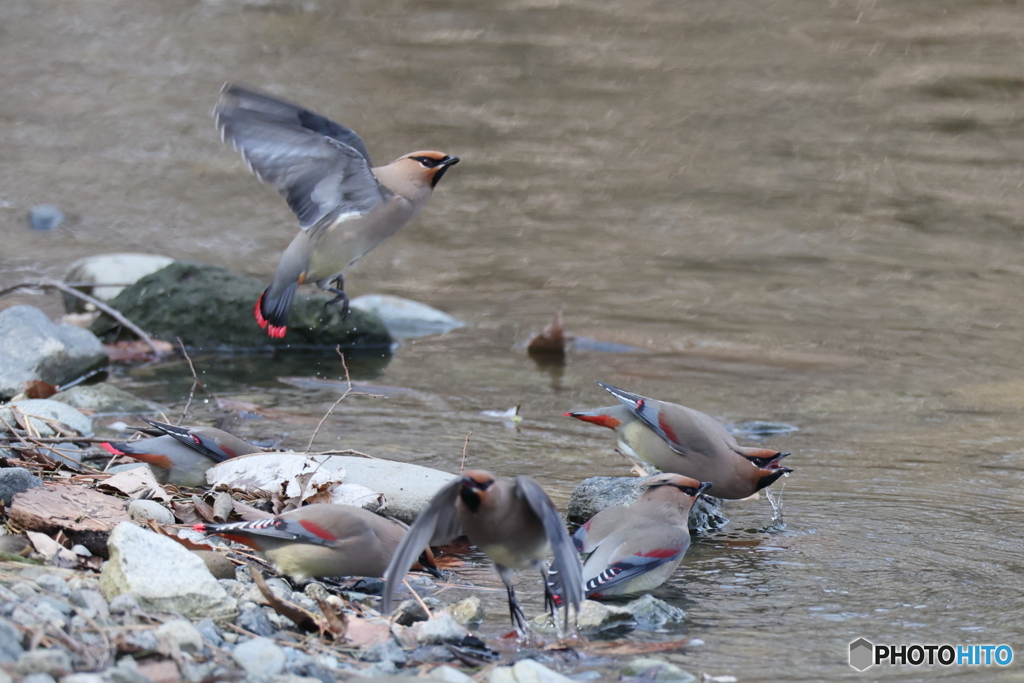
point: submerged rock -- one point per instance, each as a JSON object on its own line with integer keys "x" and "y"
{"x": 34, "y": 348}
{"x": 45, "y": 217}
{"x": 406, "y": 318}
{"x": 101, "y": 274}
{"x": 653, "y": 669}
{"x": 208, "y": 307}
{"x": 106, "y": 399}
{"x": 652, "y": 613}
{"x": 597, "y": 493}
{"x": 526, "y": 671}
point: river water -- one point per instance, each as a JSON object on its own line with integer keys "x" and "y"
{"x": 801, "y": 212}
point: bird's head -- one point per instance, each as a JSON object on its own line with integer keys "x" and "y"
{"x": 475, "y": 486}
{"x": 687, "y": 485}
{"x": 766, "y": 470}
{"x": 426, "y": 167}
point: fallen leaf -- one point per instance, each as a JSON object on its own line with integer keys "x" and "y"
{"x": 86, "y": 516}
{"x": 37, "y": 388}
{"x": 363, "y": 633}
{"x": 138, "y": 350}
{"x": 205, "y": 511}
{"x": 138, "y": 482}
{"x": 622, "y": 648}
{"x": 550, "y": 343}
{"x": 185, "y": 512}
{"x": 296, "y": 475}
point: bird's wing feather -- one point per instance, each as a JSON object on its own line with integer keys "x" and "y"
{"x": 276, "y": 527}
{"x": 193, "y": 441}
{"x": 305, "y": 157}
{"x": 630, "y": 567}
{"x": 566, "y": 575}
{"x": 438, "y": 523}
{"x": 646, "y": 411}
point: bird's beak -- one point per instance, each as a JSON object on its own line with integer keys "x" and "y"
{"x": 443, "y": 167}
{"x": 704, "y": 486}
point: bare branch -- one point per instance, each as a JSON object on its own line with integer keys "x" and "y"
{"x": 465, "y": 447}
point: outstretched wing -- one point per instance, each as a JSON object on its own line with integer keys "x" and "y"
{"x": 319, "y": 166}
{"x": 566, "y": 575}
{"x": 438, "y": 523}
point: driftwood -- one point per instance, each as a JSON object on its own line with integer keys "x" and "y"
{"x": 84, "y": 515}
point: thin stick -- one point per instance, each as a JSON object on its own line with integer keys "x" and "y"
{"x": 195, "y": 382}
{"x": 348, "y": 390}
{"x": 418, "y": 599}
{"x": 112, "y": 312}
{"x": 465, "y": 447}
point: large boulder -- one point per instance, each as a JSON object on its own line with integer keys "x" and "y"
{"x": 208, "y": 307}
{"x": 101, "y": 276}
{"x": 34, "y": 348}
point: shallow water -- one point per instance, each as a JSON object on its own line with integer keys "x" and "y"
{"x": 800, "y": 212}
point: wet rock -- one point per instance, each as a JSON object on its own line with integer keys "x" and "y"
{"x": 255, "y": 620}
{"x": 468, "y": 611}
{"x": 597, "y": 493}
{"x": 45, "y": 217}
{"x": 409, "y": 612}
{"x": 652, "y": 613}
{"x": 33, "y": 348}
{"x": 98, "y": 273}
{"x": 53, "y": 661}
{"x": 526, "y": 671}
{"x": 10, "y": 642}
{"x": 106, "y": 399}
{"x": 161, "y": 574}
{"x": 653, "y": 669}
{"x": 597, "y": 616}
{"x": 261, "y": 658}
{"x": 124, "y": 604}
{"x": 441, "y": 629}
{"x": 210, "y": 308}
{"x": 141, "y": 510}
{"x": 54, "y": 583}
{"x": 210, "y": 633}
{"x": 91, "y": 602}
{"x": 386, "y": 651}
{"x": 406, "y": 318}
{"x": 38, "y": 678}
{"x": 218, "y": 564}
{"x": 182, "y": 634}
{"x": 40, "y": 411}
{"x": 15, "y": 480}
{"x": 448, "y": 674}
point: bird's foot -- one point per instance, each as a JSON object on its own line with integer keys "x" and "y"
{"x": 339, "y": 295}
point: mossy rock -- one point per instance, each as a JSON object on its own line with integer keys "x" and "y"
{"x": 210, "y": 308}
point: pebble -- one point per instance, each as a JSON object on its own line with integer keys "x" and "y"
{"x": 15, "y": 480}
{"x": 441, "y": 629}
{"x": 653, "y": 613}
{"x": 53, "y": 582}
{"x": 448, "y": 674}
{"x": 526, "y": 671}
{"x": 255, "y": 621}
{"x": 182, "y": 633}
{"x": 141, "y": 510}
{"x": 52, "y": 661}
{"x": 653, "y": 669}
{"x": 409, "y": 612}
{"x": 386, "y": 651}
{"x": 91, "y": 602}
{"x": 38, "y": 678}
{"x": 125, "y": 603}
{"x": 45, "y": 217}
{"x": 10, "y": 642}
{"x": 210, "y": 633}
{"x": 468, "y": 612}
{"x": 261, "y": 658}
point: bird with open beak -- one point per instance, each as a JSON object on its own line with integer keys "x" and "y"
{"x": 635, "y": 548}
{"x": 513, "y": 522}
{"x": 678, "y": 439}
{"x": 324, "y": 540}
{"x": 181, "y": 455}
{"x": 346, "y": 206}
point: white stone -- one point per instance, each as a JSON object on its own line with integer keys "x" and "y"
{"x": 40, "y": 410}
{"x": 261, "y": 658}
{"x": 406, "y": 318}
{"x": 109, "y": 269}
{"x": 141, "y": 510}
{"x": 526, "y": 671}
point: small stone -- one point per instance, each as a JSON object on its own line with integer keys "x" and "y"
{"x": 83, "y": 678}
{"x": 25, "y": 591}
{"x": 596, "y": 616}
{"x": 80, "y": 550}
{"x": 406, "y": 318}
{"x": 15, "y": 480}
{"x": 40, "y": 412}
{"x": 409, "y": 612}
{"x": 261, "y": 658}
{"x": 385, "y": 651}
{"x": 210, "y": 633}
{"x": 255, "y": 621}
{"x": 182, "y": 633}
{"x": 441, "y": 629}
{"x": 10, "y": 642}
{"x": 53, "y": 582}
{"x": 449, "y": 674}
{"x": 468, "y": 611}
{"x": 38, "y": 678}
{"x": 45, "y": 217}
{"x": 219, "y": 565}
{"x": 653, "y": 669}
{"x": 526, "y": 671}
{"x": 106, "y": 399}
{"x": 100, "y": 275}
{"x": 653, "y": 613}
{"x": 125, "y": 603}
{"x": 91, "y": 602}
{"x": 431, "y": 654}
{"x": 142, "y": 510}
{"x": 140, "y": 640}
{"x": 52, "y": 661}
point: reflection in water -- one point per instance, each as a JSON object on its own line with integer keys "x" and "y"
{"x": 797, "y": 213}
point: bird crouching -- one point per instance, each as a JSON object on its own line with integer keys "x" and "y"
{"x": 345, "y": 206}
{"x": 513, "y": 522}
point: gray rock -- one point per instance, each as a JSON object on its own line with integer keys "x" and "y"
{"x": 140, "y": 640}
{"x": 45, "y": 217}
{"x": 182, "y": 633}
{"x": 386, "y": 651}
{"x": 35, "y": 348}
{"x": 526, "y": 671}
{"x": 597, "y": 493}
{"x": 106, "y": 399}
{"x": 40, "y": 411}
{"x": 15, "y": 480}
{"x": 261, "y": 658}
{"x": 210, "y": 633}
{"x": 161, "y": 574}
{"x": 91, "y": 602}
{"x": 125, "y": 603}
{"x": 38, "y": 678}
{"x": 406, "y": 318}
{"x": 141, "y": 510}
{"x": 468, "y": 611}
{"x": 441, "y": 629}
{"x": 652, "y": 613}
{"x": 53, "y": 582}
{"x": 83, "y": 678}
{"x": 597, "y": 616}
{"x": 10, "y": 642}
{"x": 98, "y": 273}
{"x": 210, "y": 308}
{"x": 653, "y": 669}
{"x": 448, "y": 674}
{"x": 52, "y": 661}
{"x": 255, "y": 620}
{"x": 409, "y": 612}
{"x": 125, "y": 467}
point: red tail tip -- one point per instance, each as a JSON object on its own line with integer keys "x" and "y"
{"x": 201, "y": 528}
{"x": 275, "y": 331}
{"x": 109, "y": 448}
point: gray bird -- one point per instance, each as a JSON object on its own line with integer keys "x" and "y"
{"x": 512, "y": 522}
{"x": 635, "y": 548}
{"x": 344, "y": 204}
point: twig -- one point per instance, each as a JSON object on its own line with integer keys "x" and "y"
{"x": 348, "y": 390}
{"x": 112, "y": 312}
{"x": 62, "y": 439}
{"x": 195, "y": 382}
{"x": 418, "y": 599}
{"x": 465, "y": 447}
{"x": 347, "y": 451}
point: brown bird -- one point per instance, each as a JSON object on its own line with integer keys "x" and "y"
{"x": 635, "y": 548}
{"x": 323, "y": 540}
{"x": 513, "y": 522}
{"x": 344, "y": 204}
{"x": 678, "y": 439}
{"x": 181, "y": 455}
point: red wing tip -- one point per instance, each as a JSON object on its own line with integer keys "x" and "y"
{"x": 276, "y": 332}
{"x": 201, "y": 528}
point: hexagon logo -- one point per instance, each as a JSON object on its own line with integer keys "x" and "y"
{"x": 862, "y": 654}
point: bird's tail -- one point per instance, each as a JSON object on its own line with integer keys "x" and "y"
{"x": 272, "y": 308}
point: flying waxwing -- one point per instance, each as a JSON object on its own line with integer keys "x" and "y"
{"x": 635, "y": 548}
{"x": 323, "y": 540}
{"x": 678, "y": 439}
{"x": 182, "y": 455}
{"x": 513, "y": 522}
{"x": 344, "y": 204}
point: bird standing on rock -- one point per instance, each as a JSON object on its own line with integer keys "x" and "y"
{"x": 635, "y": 548}
{"x": 182, "y": 455}
{"x": 678, "y": 439}
{"x": 323, "y": 540}
{"x": 344, "y": 204}
{"x": 512, "y": 522}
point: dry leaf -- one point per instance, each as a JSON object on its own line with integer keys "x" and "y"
{"x": 138, "y": 350}
{"x": 248, "y": 512}
{"x": 551, "y": 341}
{"x": 622, "y": 648}
{"x": 185, "y": 512}
{"x": 204, "y": 510}
{"x": 294, "y": 475}
{"x": 363, "y": 633}
{"x": 138, "y": 482}
{"x": 37, "y": 388}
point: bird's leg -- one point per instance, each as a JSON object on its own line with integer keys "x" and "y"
{"x": 550, "y": 599}
{"x": 518, "y": 618}
{"x": 338, "y": 290}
